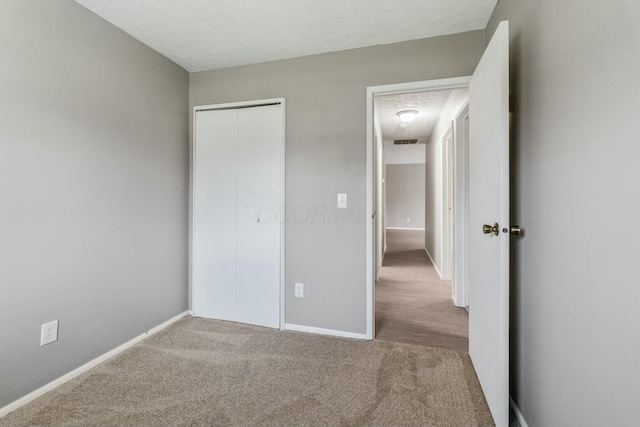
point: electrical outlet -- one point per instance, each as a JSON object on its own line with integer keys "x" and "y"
{"x": 49, "y": 333}
{"x": 299, "y": 290}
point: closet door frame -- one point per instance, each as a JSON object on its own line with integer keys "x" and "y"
{"x": 281, "y": 214}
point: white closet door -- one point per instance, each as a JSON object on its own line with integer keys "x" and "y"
{"x": 237, "y": 181}
{"x": 215, "y": 214}
{"x": 259, "y": 197}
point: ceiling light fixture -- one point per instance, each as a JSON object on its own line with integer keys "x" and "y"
{"x": 407, "y": 115}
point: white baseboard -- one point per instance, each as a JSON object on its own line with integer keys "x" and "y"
{"x": 404, "y": 228}
{"x": 95, "y": 362}
{"x": 519, "y": 415}
{"x": 434, "y": 264}
{"x": 322, "y": 331}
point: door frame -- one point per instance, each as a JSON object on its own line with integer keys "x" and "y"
{"x": 447, "y": 207}
{"x": 372, "y": 91}
{"x": 380, "y": 243}
{"x": 281, "y": 208}
{"x": 461, "y": 206}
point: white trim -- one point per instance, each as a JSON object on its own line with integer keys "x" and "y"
{"x": 192, "y": 213}
{"x": 518, "y": 413}
{"x": 322, "y": 331}
{"x": 447, "y": 191}
{"x": 435, "y": 266}
{"x": 379, "y": 220}
{"x": 230, "y": 105}
{"x": 283, "y": 192}
{"x": 404, "y": 228}
{"x": 372, "y": 91}
{"x": 91, "y": 364}
{"x": 369, "y": 214}
{"x": 460, "y": 288}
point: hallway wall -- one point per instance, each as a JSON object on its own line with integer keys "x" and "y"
{"x": 405, "y": 195}
{"x": 434, "y": 176}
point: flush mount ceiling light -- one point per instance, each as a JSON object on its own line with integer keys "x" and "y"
{"x": 407, "y": 115}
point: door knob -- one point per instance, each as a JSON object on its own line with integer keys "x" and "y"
{"x": 488, "y": 229}
{"x": 516, "y": 230}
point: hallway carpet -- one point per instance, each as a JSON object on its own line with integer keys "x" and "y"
{"x": 412, "y": 304}
{"x": 200, "y": 372}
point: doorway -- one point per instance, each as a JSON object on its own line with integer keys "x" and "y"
{"x": 433, "y": 242}
{"x": 488, "y": 202}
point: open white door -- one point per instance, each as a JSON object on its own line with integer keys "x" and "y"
{"x": 489, "y": 223}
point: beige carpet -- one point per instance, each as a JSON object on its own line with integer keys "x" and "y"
{"x": 202, "y": 372}
{"x": 412, "y": 304}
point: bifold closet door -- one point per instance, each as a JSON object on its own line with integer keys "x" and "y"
{"x": 236, "y": 229}
{"x": 214, "y": 214}
{"x": 259, "y": 198}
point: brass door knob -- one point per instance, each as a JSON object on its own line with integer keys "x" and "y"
{"x": 488, "y": 229}
{"x": 516, "y": 230}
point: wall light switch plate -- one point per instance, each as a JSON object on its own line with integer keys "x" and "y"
{"x": 299, "y": 290}
{"x": 342, "y": 201}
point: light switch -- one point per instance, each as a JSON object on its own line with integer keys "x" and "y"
{"x": 342, "y": 201}
{"x": 299, "y": 290}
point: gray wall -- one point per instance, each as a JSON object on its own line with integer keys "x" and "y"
{"x": 403, "y": 154}
{"x": 325, "y": 155}
{"x": 405, "y": 195}
{"x": 94, "y": 185}
{"x": 575, "y": 340}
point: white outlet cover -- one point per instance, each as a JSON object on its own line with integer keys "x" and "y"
{"x": 49, "y": 333}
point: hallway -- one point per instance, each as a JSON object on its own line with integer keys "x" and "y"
{"x": 412, "y": 304}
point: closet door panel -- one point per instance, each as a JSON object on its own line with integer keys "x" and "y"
{"x": 215, "y": 214}
{"x": 260, "y": 134}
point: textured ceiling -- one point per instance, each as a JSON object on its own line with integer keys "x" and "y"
{"x": 210, "y": 34}
{"x": 428, "y": 104}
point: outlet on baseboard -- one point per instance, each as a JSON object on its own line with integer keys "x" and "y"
{"x": 299, "y": 290}
{"x": 49, "y": 333}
